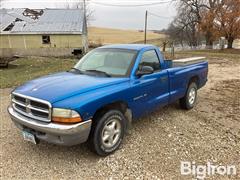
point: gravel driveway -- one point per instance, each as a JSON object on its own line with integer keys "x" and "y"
{"x": 155, "y": 146}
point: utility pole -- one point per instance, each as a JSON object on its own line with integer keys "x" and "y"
{"x": 145, "y": 31}
{"x": 85, "y": 29}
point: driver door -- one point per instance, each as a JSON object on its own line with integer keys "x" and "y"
{"x": 152, "y": 90}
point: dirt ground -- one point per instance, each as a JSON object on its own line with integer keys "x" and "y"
{"x": 155, "y": 146}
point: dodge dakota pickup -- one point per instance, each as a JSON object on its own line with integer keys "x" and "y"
{"x": 97, "y": 99}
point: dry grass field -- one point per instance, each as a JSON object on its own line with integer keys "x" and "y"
{"x": 109, "y": 36}
{"x": 99, "y": 35}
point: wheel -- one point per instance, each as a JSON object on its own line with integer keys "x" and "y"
{"x": 190, "y": 98}
{"x": 108, "y": 132}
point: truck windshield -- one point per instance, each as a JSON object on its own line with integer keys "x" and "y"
{"x": 108, "y": 62}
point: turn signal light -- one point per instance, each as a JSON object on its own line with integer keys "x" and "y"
{"x": 66, "y": 116}
{"x": 66, "y": 120}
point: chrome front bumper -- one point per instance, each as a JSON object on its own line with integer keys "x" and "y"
{"x": 52, "y": 132}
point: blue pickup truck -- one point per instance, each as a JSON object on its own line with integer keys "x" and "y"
{"x": 97, "y": 99}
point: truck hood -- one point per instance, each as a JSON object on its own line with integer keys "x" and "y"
{"x": 60, "y": 86}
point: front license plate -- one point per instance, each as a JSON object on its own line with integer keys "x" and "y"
{"x": 29, "y": 137}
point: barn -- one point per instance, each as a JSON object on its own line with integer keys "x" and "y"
{"x": 41, "y": 32}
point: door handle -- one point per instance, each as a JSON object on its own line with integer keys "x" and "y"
{"x": 165, "y": 78}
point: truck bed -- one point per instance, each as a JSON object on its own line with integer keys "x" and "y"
{"x": 184, "y": 61}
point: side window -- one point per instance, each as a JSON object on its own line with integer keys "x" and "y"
{"x": 150, "y": 58}
{"x": 46, "y": 40}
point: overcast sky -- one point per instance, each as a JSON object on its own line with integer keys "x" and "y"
{"x": 110, "y": 16}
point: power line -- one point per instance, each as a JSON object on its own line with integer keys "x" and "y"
{"x": 131, "y": 5}
{"x": 162, "y": 17}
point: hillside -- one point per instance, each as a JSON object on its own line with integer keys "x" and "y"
{"x": 108, "y": 36}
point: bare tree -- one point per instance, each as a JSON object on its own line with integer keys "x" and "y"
{"x": 79, "y": 5}
{"x": 227, "y": 20}
{"x": 202, "y": 12}
{"x": 184, "y": 28}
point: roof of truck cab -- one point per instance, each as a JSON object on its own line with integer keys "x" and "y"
{"x": 128, "y": 46}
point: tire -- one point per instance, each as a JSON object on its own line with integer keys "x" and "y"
{"x": 190, "y": 98}
{"x": 108, "y": 132}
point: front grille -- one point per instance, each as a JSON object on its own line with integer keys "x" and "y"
{"x": 22, "y": 108}
{"x": 39, "y": 105}
{"x": 31, "y": 107}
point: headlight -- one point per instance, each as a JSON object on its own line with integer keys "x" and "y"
{"x": 65, "y": 116}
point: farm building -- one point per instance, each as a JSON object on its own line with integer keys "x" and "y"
{"x": 46, "y": 32}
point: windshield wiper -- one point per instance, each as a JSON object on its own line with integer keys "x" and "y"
{"x": 77, "y": 70}
{"x": 99, "y": 72}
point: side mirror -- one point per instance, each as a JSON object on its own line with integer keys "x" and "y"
{"x": 145, "y": 70}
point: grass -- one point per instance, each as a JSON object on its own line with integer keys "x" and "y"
{"x": 233, "y": 54}
{"x": 227, "y": 53}
{"x": 110, "y": 36}
{"x": 24, "y": 69}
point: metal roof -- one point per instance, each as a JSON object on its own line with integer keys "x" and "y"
{"x": 52, "y": 21}
{"x": 5, "y": 21}
{"x": 8, "y": 16}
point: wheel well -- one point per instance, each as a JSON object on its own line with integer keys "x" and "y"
{"x": 194, "y": 79}
{"x": 118, "y": 105}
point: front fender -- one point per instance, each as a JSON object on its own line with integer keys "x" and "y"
{"x": 87, "y": 104}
